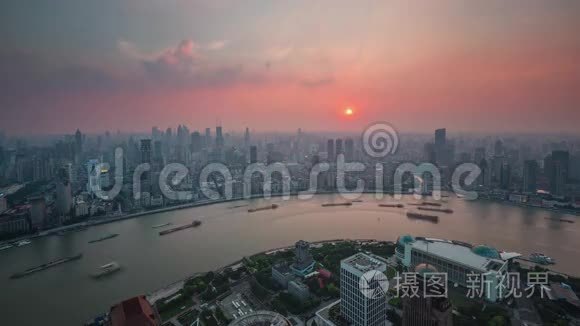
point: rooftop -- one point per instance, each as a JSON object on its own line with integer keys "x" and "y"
{"x": 364, "y": 262}
{"x": 460, "y": 253}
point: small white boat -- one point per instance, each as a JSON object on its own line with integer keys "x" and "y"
{"x": 107, "y": 269}
{"x": 541, "y": 259}
{"x": 160, "y": 225}
{"x": 23, "y": 243}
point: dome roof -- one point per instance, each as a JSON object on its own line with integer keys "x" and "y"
{"x": 486, "y": 251}
{"x": 406, "y": 239}
{"x": 425, "y": 268}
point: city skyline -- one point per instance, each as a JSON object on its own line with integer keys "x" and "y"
{"x": 510, "y": 67}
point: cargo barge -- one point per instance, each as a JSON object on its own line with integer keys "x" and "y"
{"x": 336, "y": 204}
{"x": 418, "y": 216}
{"x": 48, "y": 265}
{"x": 442, "y": 210}
{"x": 392, "y": 205}
{"x": 107, "y": 237}
{"x": 273, "y": 206}
{"x": 193, "y": 224}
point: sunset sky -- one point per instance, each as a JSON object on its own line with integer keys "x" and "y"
{"x": 274, "y": 65}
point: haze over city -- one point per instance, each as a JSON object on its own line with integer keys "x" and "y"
{"x": 274, "y": 65}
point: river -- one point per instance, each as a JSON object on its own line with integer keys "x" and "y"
{"x": 67, "y": 295}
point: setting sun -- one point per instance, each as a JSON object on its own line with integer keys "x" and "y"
{"x": 348, "y": 111}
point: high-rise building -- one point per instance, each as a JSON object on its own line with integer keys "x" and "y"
{"x": 207, "y": 138}
{"x": 63, "y": 192}
{"x": 37, "y": 211}
{"x": 145, "y": 150}
{"x": 556, "y": 168}
{"x": 253, "y": 154}
{"x": 360, "y": 308}
{"x": 339, "y": 147}
{"x": 530, "y": 183}
{"x": 247, "y": 138}
{"x": 196, "y": 142}
{"x": 78, "y": 142}
{"x": 427, "y": 308}
{"x": 349, "y": 149}
{"x": 505, "y": 176}
{"x": 440, "y": 138}
{"x": 330, "y": 150}
{"x": 498, "y": 149}
{"x": 219, "y": 137}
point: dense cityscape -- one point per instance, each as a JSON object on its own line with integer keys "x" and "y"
{"x": 289, "y": 163}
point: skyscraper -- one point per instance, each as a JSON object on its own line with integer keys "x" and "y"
{"x": 253, "y": 154}
{"x": 349, "y": 149}
{"x": 207, "y": 138}
{"x": 330, "y": 150}
{"x": 78, "y": 142}
{"x": 426, "y": 308}
{"x": 366, "y": 306}
{"x": 37, "y": 211}
{"x": 247, "y": 138}
{"x": 530, "y": 176}
{"x": 219, "y": 137}
{"x": 63, "y": 192}
{"x": 440, "y": 138}
{"x": 505, "y": 176}
{"x": 145, "y": 150}
{"x": 339, "y": 147}
{"x": 556, "y": 168}
{"x": 196, "y": 142}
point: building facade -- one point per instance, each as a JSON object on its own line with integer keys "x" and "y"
{"x": 356, "y": 306}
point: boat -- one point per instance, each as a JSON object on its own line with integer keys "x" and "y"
{"x": 6, "y": 246}
{"x": 22, "y": 243}
{"x": 107, "y": 269}
{"x": 541, "y": 259}
{"x": 72, "y": 230}
{"x": 337, "y": 204}
{"x": 160, "y": 225}
{"x": 193, "y": 224}
{"x": 106, "y": 237}
{"x": 563, "y": 220}
{"x": 357, "y": 201}
{"x": 392, "y": 205}
{"x": 428, "y": 203}
{"x": 425, "y": 217}
{"x": 442, "y": 210}
{"x": 273, "y": 206}
{"x": 44, "y": 266}
{"x": 238, "y": 206}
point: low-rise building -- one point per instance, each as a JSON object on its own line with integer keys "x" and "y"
{"x": 299, "y": 290}
{"x": 457, "y": 259}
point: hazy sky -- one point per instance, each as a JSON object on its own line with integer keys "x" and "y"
{"x": 279, "y": 65}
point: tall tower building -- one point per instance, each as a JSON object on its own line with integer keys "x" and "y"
{"x": 37, "y": 211}
{"x": 440, "y": 137}
{"x": 219, "y": 137}
{"x": 196, "y": 142}
{"x": 557, "y": 167}
{"x": 530, "y": 183}
{"x": 63, "y": 192}
{"x": 247, "y": 138}
{"x": 339, "y": 147}
{"x": 330, "y": 150}
{"x": 78, "y": 142}
{"x": 349, "y": 149}
{"x": 427, "y": 308}
{"x": 207, "y": 138}
{"x": 358, "y": 307}
{"x": 253, "y": 154}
